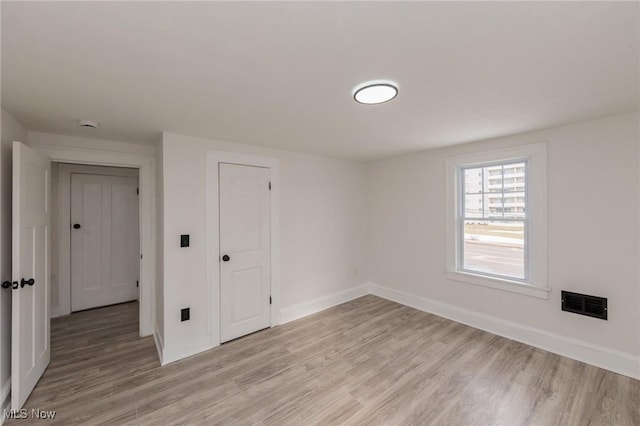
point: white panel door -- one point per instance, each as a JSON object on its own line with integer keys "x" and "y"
{"x": 245, "y": 275}
{"x": 105, "y": 240}
{"x": 30, "y": 350}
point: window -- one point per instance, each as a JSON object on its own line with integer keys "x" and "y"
{"x": 496, "y": 214}
{"x": 493, "y": 220}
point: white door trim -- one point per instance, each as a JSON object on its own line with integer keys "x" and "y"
{"x": 146, "y": 165}
{"x": 64, "y": 231}
{"x": 213, "y": 235}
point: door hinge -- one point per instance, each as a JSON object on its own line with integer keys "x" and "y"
{"x": 269, "y": 186}
{"x": 270, "y": 300}
{"x": 137, "y": 283}
{"x": 138, "y": 191}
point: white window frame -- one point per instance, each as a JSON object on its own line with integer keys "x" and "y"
{"x": 535, "y": 282}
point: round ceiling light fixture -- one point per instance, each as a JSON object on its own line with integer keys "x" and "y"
{"x": 375, "y": 92}
{"x": 88, "y": 123}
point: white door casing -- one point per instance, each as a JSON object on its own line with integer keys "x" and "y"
{"x": 105, "y": 245}
{"x": 30, "y": 348}
{"x": 245, "y": 276}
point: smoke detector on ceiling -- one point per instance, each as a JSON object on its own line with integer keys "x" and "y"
{"x": 88, "y": 124}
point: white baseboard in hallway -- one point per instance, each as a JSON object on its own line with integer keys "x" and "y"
{"x": 301, "y": 310}
{"x": 599, "y": 356}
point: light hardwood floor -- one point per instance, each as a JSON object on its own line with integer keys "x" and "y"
{"x": 368, "y": 361}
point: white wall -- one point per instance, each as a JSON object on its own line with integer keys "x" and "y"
{"x": 322, "y": 225}
{"x": 11, "y": 131}
{"x": 593, "y": 226}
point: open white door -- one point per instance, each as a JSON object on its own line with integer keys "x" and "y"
{"x": 30, "y": 349}
{"x": 245, "y": 273}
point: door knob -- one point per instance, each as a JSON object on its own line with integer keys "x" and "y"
{"x": 226, "y": 258}
{"x": 76, "y": 226}
{"x": 29, "y": 282}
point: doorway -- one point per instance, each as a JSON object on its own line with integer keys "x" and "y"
{"x": 144, "y": 162}
{"x": 95, "y": 218}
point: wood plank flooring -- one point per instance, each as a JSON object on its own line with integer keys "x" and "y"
{"x": 368, "y": 361}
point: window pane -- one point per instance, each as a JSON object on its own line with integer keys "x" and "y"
{"x": 514, "y": 177}
{"x": 473, "y": 205}
{"x": 494, "y": 179}
{"x": 473, "y": 181}
{"x": 493, "y": 205}
{"x": 514, "y": 205}
{"x": 494, "y": 247}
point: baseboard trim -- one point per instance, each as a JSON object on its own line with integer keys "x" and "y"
{"x": 304, "y": 309}
{"x": 169, "y": 356}
{"x": 612, "y": 360}
{"x": 157, "y": 338}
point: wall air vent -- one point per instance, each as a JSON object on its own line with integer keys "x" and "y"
{"x": 583, "y": 304}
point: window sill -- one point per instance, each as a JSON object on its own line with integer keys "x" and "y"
{"x": 500, "y": 284}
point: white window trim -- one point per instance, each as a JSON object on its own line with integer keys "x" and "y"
{"x": 536, "y": 156}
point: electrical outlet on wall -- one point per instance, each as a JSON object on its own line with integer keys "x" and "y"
{"x": 184, "y": 314}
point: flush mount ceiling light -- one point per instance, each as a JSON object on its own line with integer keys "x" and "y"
{"x": 375, "y": 92}
{"x": 88, "y": 124}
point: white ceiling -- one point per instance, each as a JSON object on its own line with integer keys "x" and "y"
{"x": 281, "y": 74}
